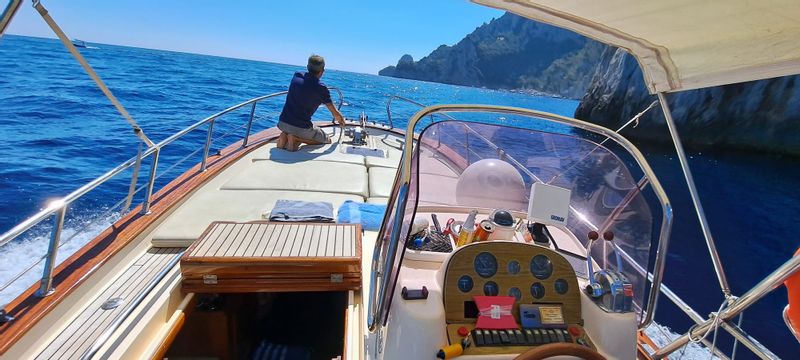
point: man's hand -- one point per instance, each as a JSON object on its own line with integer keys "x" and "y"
{"x": 336, "y": 114}
{"x": 339, "y": 118}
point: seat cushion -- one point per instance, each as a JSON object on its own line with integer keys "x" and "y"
{"x": 380, "y": 181}
{"x": 326, "y": 152}
{"x": 194, "y": 215}
{"x": 378, "y": 200}
{"x": 323, "y": 176}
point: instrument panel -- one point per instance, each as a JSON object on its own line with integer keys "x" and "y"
{"x": 530, "y": 273}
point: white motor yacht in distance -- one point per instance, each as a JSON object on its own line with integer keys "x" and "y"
{"x": 566, "y": 257}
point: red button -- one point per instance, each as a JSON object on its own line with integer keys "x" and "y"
{"x": 463, "y": 331}
{"x": 574, "y": 331}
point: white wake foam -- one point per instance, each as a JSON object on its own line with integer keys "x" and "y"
{"x": 662, "y": 335}
{"x": 26, "y": 250}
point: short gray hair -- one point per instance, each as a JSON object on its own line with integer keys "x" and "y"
{"x": 316, "y": 64}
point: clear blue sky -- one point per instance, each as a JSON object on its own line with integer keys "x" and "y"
{"x": 360, "y": 36}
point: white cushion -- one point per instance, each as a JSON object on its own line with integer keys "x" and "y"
{"x": 378, "y": 200}
{"x": 194, "y": 215}
{"x": 381, "y": 180}
{"x": 326, "y": 152}
{"x": 390, "y": 162}
{"x": 323, "y": 176}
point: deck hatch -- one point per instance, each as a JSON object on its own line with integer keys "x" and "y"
{"x": 273, "y": 257}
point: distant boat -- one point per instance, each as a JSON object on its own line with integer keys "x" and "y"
{"x": 79, "y": 43}
{"x": 82, "y": 44}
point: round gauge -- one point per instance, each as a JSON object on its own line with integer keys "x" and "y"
{"x": 513, "y": 267}
{"x": 561, "y": 286}
{"x": 515, "y": 292}
{"x": 537, "y": 290}
{"x": 491, "y": 288}
{"x": 541, "y": 267}
{"x": 485, "y": 264}
{"x": 465, "y": 283}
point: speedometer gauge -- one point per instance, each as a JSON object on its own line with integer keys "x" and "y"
{"x": 465, "y": 283}
{"x": 485, "y": 264}
{"x": 541, "y": 267}
{"x": 491, "y": 289}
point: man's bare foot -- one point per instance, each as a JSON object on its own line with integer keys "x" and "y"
{"x": 292, "y": 143}
{"x": 282, "y": 140}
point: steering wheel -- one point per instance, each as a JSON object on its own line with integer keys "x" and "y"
{"x": 560, "y": 349}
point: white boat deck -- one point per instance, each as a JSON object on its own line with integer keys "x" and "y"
{"x": 248, "y": 189}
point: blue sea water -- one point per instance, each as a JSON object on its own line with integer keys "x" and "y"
{"x": 58, "y": 131}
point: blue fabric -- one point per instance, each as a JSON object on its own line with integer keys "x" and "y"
{"x": 369, "y": 216}
{"x": 305, "y": 95}
{"x": 293, "y": 210}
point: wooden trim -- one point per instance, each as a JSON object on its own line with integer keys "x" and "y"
{"x": 28, "y": 309}
{"x": 346, "y": 329}
{"x": 174, "y": 330}
{"x": 298, "y": 284}
{"x": 641, "y": 340}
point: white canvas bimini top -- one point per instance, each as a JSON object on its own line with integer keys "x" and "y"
{"x": 683, "y": 44}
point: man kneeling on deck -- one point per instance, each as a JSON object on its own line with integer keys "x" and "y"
{"x": 305, "y": 95}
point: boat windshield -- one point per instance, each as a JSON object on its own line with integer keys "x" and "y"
{"x": 459, "y": 166}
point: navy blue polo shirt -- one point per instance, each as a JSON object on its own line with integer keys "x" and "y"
{"x": 305, "y": 95}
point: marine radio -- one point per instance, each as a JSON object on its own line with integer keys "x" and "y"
{"x": 610, "y": 289}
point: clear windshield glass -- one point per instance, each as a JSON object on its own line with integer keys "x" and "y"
{"x": 470, "y": 165}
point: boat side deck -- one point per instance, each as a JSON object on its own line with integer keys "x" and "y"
{"x": 85, "y": 328}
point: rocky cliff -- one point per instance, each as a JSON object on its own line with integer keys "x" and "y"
{"x": 510, "y": 52}
{"x": 761, "y": 115}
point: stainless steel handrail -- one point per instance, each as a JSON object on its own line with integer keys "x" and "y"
{"x": 60, "y": 206}
{"x": 377, "y": 307}
{"x": 341, "y": 96}
{"x": 765, "y": 286}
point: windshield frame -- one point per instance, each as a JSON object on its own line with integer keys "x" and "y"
{"x": 656, "y": 276}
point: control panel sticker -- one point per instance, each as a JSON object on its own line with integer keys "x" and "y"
{"x": 551, "y": 315}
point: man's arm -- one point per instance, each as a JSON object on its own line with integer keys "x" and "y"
{"x": 335, "y": 112}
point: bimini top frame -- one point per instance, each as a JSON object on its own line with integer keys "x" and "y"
{"x": 383, "y": 263}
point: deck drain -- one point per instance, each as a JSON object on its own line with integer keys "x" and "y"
{"x": 112, "y": 303}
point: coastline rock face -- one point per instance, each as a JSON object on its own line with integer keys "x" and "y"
{"x": 761, "y": 115}
{"x": 510, "y": 52}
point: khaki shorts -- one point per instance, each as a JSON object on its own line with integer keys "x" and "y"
{"x": 313, "y": 133}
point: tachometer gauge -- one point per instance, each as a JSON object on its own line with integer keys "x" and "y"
{"x": 541, "y": 267}
{"x": 561, "y": 286}
{"x": 537, "y": 290}
{"x": 465, "y": 283}
{"x": 491, "y": 289}
{"x": 485, "y": 264}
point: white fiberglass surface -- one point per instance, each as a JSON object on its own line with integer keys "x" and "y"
{"x": 484, "y": 166}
